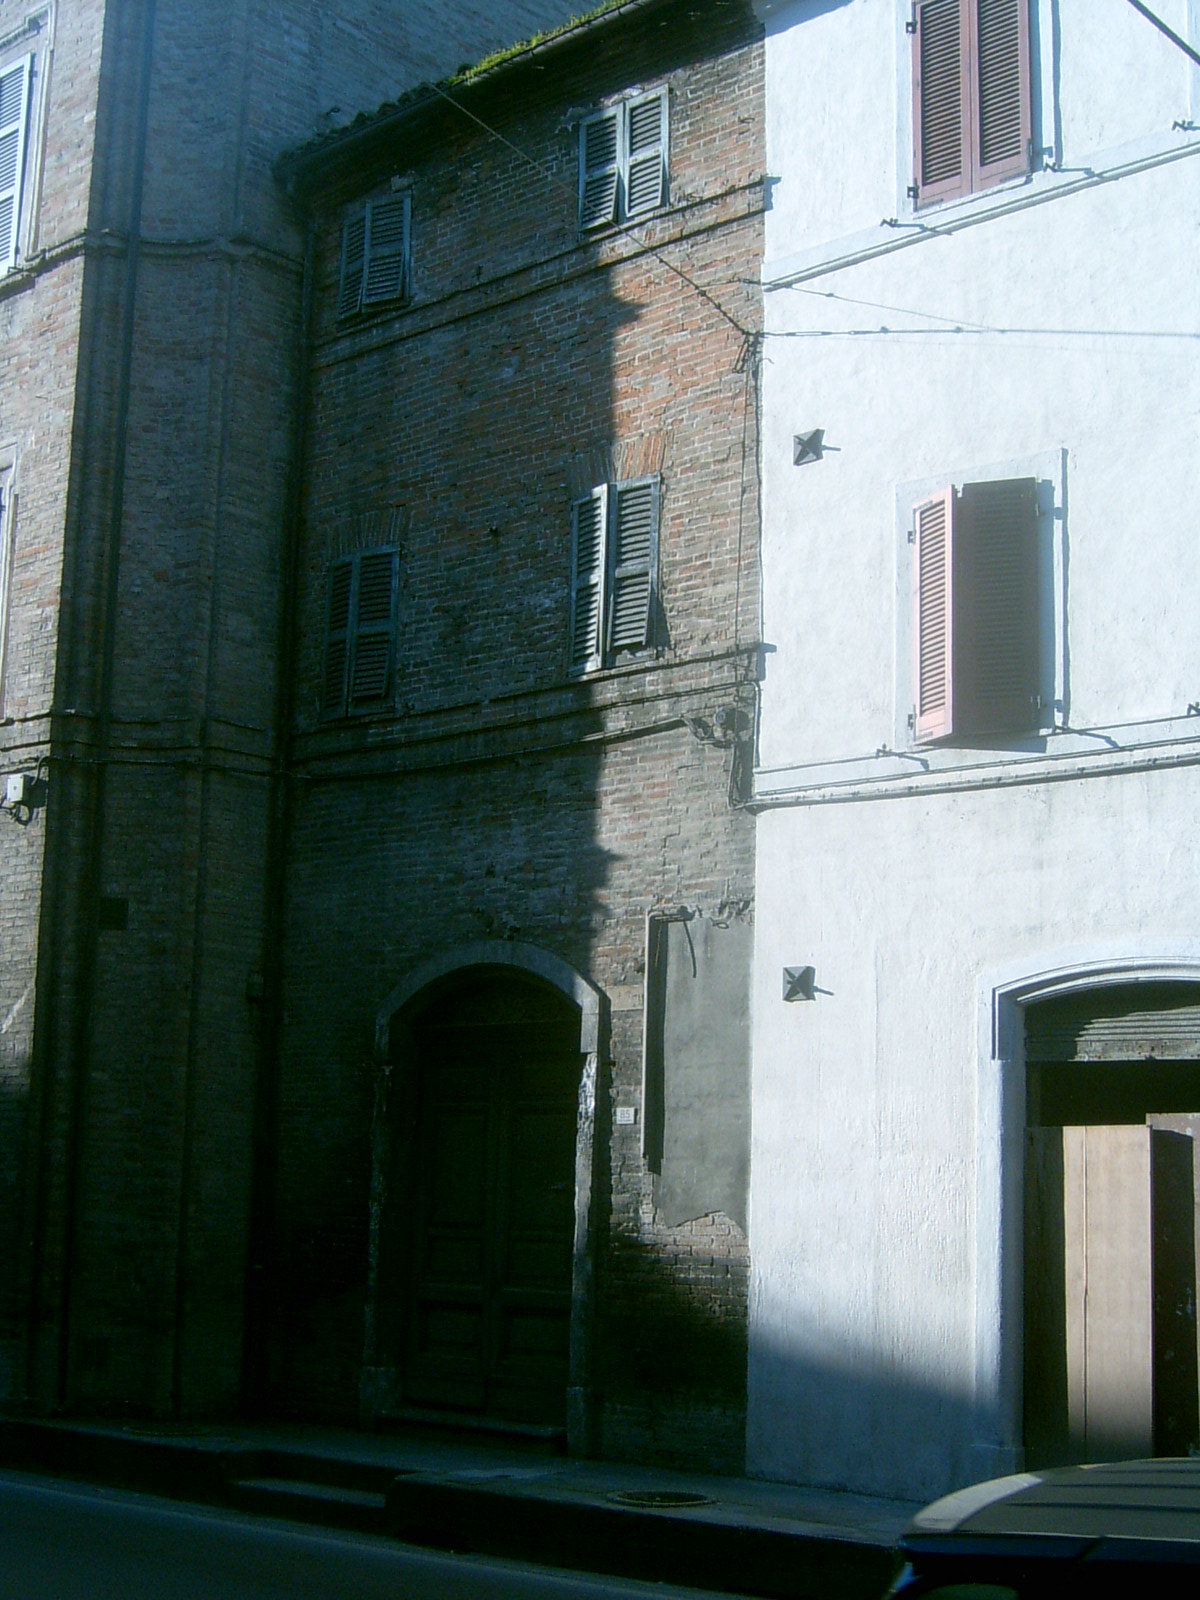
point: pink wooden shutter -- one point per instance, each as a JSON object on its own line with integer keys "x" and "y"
{"x": 933, "y": 617}
{"x": 1001, "y": 122}
{"x": 333, "y": 694}
{"x": 996, "y": 664}
{"x": 941, "y": 126}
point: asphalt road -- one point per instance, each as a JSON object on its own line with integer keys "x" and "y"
{"x": 69, "y": 1541}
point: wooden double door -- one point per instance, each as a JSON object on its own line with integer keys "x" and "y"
{"x": 489, "y": 1290}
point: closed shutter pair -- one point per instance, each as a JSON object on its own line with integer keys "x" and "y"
{"x": 375, "y": 255}
{"x": 614, "y": 556}
{"x": 976, "y": 665}
{"x": 972, "y": 119}
{"x": 623, "y": 161}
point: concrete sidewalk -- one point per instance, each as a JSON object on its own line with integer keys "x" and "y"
{"x": 450, "y": 1493}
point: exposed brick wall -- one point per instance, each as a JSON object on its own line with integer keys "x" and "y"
{"x": 130, "y": 1142}
{"x": 496, "y": 797}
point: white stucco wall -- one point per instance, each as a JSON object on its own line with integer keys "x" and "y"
{"x": 1049, "y": 328}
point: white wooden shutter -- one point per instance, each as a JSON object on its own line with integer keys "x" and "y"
{"x": 354, "y": 256}
{"x": 337, "y": 638}
{"x": 933, "y": 616}
{"x": 386, "y": 273}
{"x": 14, "y": 116}
{"x": 599, "y": 165}
{"x": 589, "y": 521}
{"x": 646, "y": 154}
{"x": 374, "y": 611}
{"x": 634, "y": 548}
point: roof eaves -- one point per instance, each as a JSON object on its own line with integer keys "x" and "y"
{"x": 301, "y": 168}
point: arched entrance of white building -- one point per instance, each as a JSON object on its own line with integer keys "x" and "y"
{"x": 1112, "y": 1112}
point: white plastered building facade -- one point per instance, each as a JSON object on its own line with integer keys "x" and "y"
{"x": 1035, "y": 327}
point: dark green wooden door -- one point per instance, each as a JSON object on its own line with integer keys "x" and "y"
{"x": 490, "y": 1292}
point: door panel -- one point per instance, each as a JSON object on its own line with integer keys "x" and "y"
{"x": 494, "y": 1214}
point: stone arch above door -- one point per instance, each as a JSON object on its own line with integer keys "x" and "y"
{"x": 1003, "y": 994}
{"x": 397, "y": 1027}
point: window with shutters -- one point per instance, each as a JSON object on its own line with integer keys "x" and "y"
{"x": 623, "y": 161}
{"x": 614, "y": 566}
{"x": 376, "y": 255}
{"x": 360, "y": 633}
{"x": 15, "y": 98}
{"x": 972, "y": 105}
{"x": 977, "y": 610}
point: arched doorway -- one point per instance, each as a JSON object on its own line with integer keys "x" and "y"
{"x": 479, "y": 1295}
{"x": 1112, "y": 1092}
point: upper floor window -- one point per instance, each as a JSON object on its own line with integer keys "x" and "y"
{"x": 972, "y": 117}
{"x": 614, "y": 568}
{"x": 15, "y": 82}
{"x": 375, "y": 255}
{"x": 976, "y": 641}
{"x": 623, "y": 161}
{"x": 360, "y": 632}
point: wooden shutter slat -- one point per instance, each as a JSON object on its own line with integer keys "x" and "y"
{"x": 333, "y": 693}
{"x": 941, "y": 61}
{"x": 645, "y": 182}
{"x": 589, "y": 519}
{"x": 1002, "y": 124}
{"x": 599, "y": 168}
{"x": 635, "y": 524}
{"x": 370, "y": 672}
{"x": 933, "y": 621}
{"x": 14, "y": 110}
{"x": 354, "y": 255}
{"x": 997, "y": 665}
{"x": 386, "y": 248}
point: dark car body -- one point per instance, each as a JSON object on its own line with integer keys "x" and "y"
{"x": 1115, "y": 1528}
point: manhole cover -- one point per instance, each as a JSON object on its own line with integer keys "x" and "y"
{"x": 659, "y": 1499}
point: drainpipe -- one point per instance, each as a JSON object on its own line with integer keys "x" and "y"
{"x": 260, "y": 1255}
{"x": 94, "y": 858}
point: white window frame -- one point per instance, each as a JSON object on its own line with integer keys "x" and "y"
{"x": 1049, "y": 470}
{"x": 1043, "y": 115}
{"x": 382, "y": 275}
{"x": 618, "y": 209}
{"x": 604, "y": 580}
{"x": 18, "y": 128}
{"x": 8, "y": 523}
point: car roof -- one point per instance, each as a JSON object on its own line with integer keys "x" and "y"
{"x": 1125, "y": 1500}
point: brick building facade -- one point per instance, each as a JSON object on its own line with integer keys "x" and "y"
{"x": 208, "y": 473}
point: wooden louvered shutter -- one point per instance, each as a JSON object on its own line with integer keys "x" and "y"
{"x": 634, "y": 548}
{"x": 374, "y": 611}
{"x": 941, "y": 121}
{"x": 599, "y": 164}
{"x": 589, "y": 519}
{"x": 933, "y": 616}
{"x": 354, "y": 255}
{"x": 14, "y": 107}
{"x": 1002, "y": 128}
{"x": 996, "y": 656}
{"x": 386, "y": 273}
{"x": 337, "y": 638}
{"x": 646, "y": 154}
